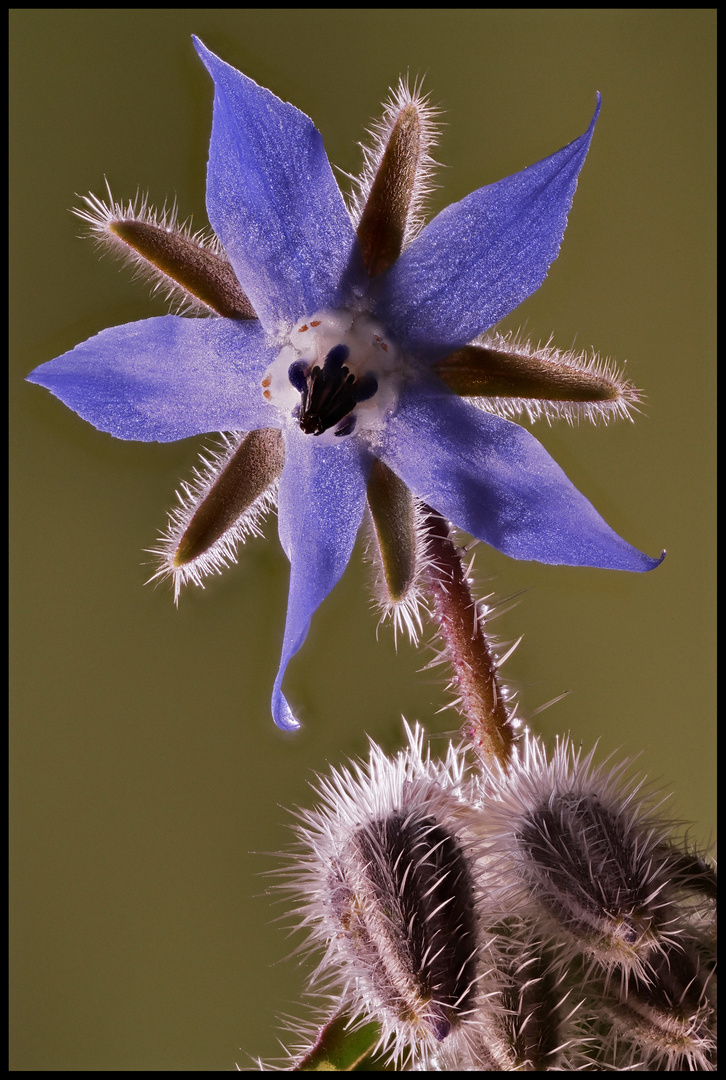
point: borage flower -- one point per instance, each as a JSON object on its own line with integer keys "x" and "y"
{"x": 340, "y": 346}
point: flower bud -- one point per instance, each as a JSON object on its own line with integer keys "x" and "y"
{"x": 575, "y": 845}
{"x": 389, "y": 885}
{"x": 665, "y": 1022}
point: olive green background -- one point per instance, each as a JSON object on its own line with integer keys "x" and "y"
{"x": 147, "y": 776}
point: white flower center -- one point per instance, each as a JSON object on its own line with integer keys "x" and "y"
{"x": 338, "y": 373}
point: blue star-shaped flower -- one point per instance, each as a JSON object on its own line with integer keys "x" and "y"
{"x": 337, "y": 335}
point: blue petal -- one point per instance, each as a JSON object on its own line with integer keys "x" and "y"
{"x": 482, "y": 256}
{"x": 322, "y": 495}
{"x": 495, "y": 481}
{"x": 166, "y": 378}
{"x": 273, "y": 201}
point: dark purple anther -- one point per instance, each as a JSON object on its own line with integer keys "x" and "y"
{"x": 345, "y": 427}
{"x": 335, "y": 359}
{"x": 297, "y": 374}
{"x": 328, "y": 395}
{"x": 365, "y": 388}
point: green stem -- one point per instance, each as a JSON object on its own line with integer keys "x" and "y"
{"x": 342, "y": 1046}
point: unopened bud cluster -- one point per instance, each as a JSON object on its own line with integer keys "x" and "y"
{"x": 538, "y": 916}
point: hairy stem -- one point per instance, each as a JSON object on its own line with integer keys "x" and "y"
{"x": 482, "y": 700}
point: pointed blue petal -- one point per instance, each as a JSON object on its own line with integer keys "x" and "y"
{"x": 482, "y": 256}
{"x": 273, "y": 201}
{"x": 493, "y": 479}
{"x": 166, "y": 378}
{"x": 321, "y": 501}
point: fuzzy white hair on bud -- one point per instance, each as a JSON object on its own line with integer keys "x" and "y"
{"x": 388, "y": 888}
{"x": 537, "y": 915}
{"x": 583, "y": 849}
{"x": 387, "y": 877}
{"x": 667, "y": 1022}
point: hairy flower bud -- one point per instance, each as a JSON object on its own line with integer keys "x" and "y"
{"x": 390, "y": 891}
{"x": 576, "y": 845}
{"x": 392, "y": 884}
{"x": 667, "y": 1020}
{"x": 535, "y": 916}
{"x": 403, "y": 894}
